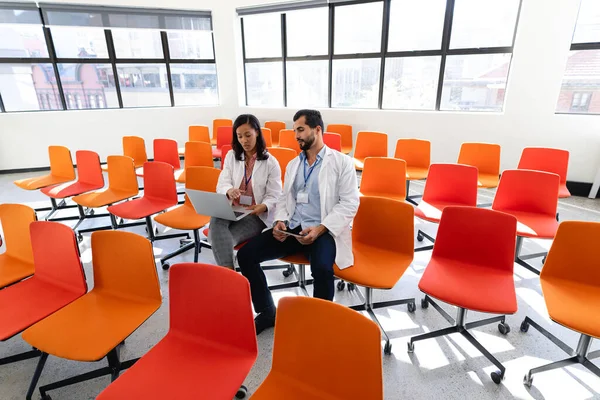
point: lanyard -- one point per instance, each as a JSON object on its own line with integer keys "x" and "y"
{"x": 247, "y": 180}
{"x": 310, "y": 171}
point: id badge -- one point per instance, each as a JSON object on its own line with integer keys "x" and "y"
{"x": 302, "y": 198}
{"x": 246, "y": 200}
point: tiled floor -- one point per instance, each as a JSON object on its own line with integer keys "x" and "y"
{"x": 446, "y": 368}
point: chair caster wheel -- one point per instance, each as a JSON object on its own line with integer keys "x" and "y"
{"x": 79, "y": 237}
{"x": 351, "y": 287}
{"x": 524, "y": 326}
{"x": 288, "y": 272}
{"x": 411, "y": 307}
{"x": 341, "y": 285}
{"x": 242, "y": 392}
{"x": 420, "y": 237}
{"x": 166, "y": 266}
{"x": 424, "y": 303}
{"x": 497, "y": 377}
{"x": 387, "y": 349}
{"x": 528, "y": 380}
{"x": 411, "y": 347}
{"x": 503, "y": 328}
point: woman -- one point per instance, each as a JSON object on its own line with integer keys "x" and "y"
{"x": 250, "y": 178}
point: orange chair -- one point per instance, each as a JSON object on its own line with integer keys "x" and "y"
{"x": 571, "y": 286}
{"x": 159, "y": 194}
{"x": 196, "y": 133}
{"x": 166, "y": 151}
{"x": 333, "y": 140}
{"x": 369, "y": 144}
{"x": 266, "y": 132}
{"x": 134, "y": 147}
{"x": 89, "y": 178}
{"x": 201, "y": 353}
{"x": 380, "y": 260}
{"x": 283, "y": 156}
{"x": 555, "y": 161}
{"x": 344, "y": 361}
{"x": 532, "y": 197}
{"x": 223, "y": 138}
{"x": 486, "y": 158}
{"x": 287, "y": 139}
{"x": 417, "y": 154}
{"x": 275, "y": 127}
{"x": 197, "y": 154}
{"x": 384, "y": 177}
{"x": 446, "y": 185}
{"x": 61, "y": 170}
{"x": 217, "y": 123}
{"x": 58, "y": 280}
{"x": 224, "y": 150}
{"x": 185, "y": 217}
{"x": 16, "y": 263}
{"x": 126, "y": 293}
{"x": 345, "y": 132}
{"x": 472, "y": 268}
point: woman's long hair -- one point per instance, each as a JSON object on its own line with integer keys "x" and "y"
{"x": 261, "y": 147}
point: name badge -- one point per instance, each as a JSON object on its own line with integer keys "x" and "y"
{"x": 246, "y": 200}
{"x": 302, "y": 198}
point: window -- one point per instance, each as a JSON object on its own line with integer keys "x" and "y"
{"x": 580, "y": 89}
{"x": 92, "y": 45}
{"x": 387, "y": 54}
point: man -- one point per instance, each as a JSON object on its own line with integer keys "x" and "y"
{"x": 320, "y": 199}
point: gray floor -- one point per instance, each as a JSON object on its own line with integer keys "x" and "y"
{"x": 446, "y": 368}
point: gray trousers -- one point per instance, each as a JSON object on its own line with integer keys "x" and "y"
{"x": 223, "y": 235}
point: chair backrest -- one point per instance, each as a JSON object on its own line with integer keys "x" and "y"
{"x": 89, "y": 169}
{"x": 121, "y": 174}
{"x": 124, "y": 266}
{"x": 198, "y": 133}
{"x": 166, "y": 151}
{"x": 224, "y": 136}
{"x": 267, "y": 135}
{"x": 159, "y": 182}
{"x": 555, "y": 161}
{"x": 345, "y": 357}
{"x": 451, "y": 183}
{"x": 484, "y": 156}
{"x": 283, "y": 156}
{"x": 198, "y": 154}
{"x": 376, "y": 215}
{"x": 383, "y": 176}
{"x": 57, "y": 261}
{"x": 135, "y": 147}
{"x": 202, "y": 178}
{"x": 218, "y": 123}
{"x": 206, "y": 301}
{"x": 371, "y": 144}
{"x": 527, "y": 191}
{"x": 344, "y": 130}
{"x": 61, "y": 163}
{"x": 477, "y": 236}
{"x": 333, "y": 140}
{"x": 287, "y": 139}
{"x": 224, "y": 150}
{"x": 416, "y": 152}
{"x": 15, "y": 220}
{"x": 275, "y": 127}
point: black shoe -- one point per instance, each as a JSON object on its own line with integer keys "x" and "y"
{"x": 264, "y": 320}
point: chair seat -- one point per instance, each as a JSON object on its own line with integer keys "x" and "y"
{"x": 193, "y": 369}
{"x": 470, "y": 286}
{"x": 534, "y": 225}
{"x": 374, "y": 267}
{"x": 488, "y": 180}
{"x": 563, "y": 191}
{"x": 69, "y": 189}
{"x": 359, "y": 163}
{"x": 384, "y": 195}
{"x": 180, "y": 175}
{"x": 571, "y": 304}
{"x": 297, "y": 258}
{"x": 278, "y": 386}
{"x": 216, "y": 153}
{"x": 41, "y": 181}
{"x": 432, "y": 211}
{"x": 13, "y": 270}
{"x": 102, "y": 198}
{"x": 139, "y": 208}
{"x": 103, "y": 321}
{"x": 416, "y": 173}
{"x": 346, "y": 149}
{"x": 30, "y": 301}
{"x": 183, "y": 217}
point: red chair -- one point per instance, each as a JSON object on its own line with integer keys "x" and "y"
{"x": 58, "y": 280}
{"x": 532, "y": 197}
{"x": 223, "y": 138}
{"x": 472, "y": 268}
{"x": 16, "y": 263}
{"x": 159, "y": 194}
{"x": 210, "y": 346}
{"x": 333, "y": 140}
{"x": 446, "y": 185}
{"x": 555, "y": 161}
{"x": 166, "y": 151}
{"x": 224, "y": 150}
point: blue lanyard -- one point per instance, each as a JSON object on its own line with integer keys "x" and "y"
{"x": 247, "y": 180}
{"x": 310, "y": 171}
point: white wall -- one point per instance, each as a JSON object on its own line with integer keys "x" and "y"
{"x": 529, "y": 118}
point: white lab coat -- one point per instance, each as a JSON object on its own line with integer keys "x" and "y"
{"x": 339, "y": 200}
{"x": 266, "y": 182}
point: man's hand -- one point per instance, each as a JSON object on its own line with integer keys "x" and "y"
{"x": 234, "y": 194}
{"x": 309, "y": 235}
{"x": 279, "y": 225}
{"x": 257, "y": 209}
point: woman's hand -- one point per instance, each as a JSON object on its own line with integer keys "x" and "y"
{"x": 234, "y": 194}
{"x": 257, "y": 209}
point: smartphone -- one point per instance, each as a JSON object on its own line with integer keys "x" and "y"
{"x": 289, "y": 233}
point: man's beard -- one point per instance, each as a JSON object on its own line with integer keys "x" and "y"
{"x": 306, "y": 144}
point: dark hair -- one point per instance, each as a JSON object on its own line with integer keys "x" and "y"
{"x": 261, "y": 147}
{"x": 313, "y": 118}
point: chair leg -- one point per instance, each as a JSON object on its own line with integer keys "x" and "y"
{"x": 114, "y": 364}
{"x": 521, "y": 259}
{"x": 422, "y": 235}
{"x": 528, "y": 379}
{"x": 197, "y": 245}
{"x": 36, "y": 375}
{"x": 20, "y": 357}
{"x": 591, "y": 367}
{"x": 499, "y": 375}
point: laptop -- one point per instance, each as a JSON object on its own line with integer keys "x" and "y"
{"x": 215, "y": 205}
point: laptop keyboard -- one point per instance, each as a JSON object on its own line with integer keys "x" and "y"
{"x": 237, "y": 213}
